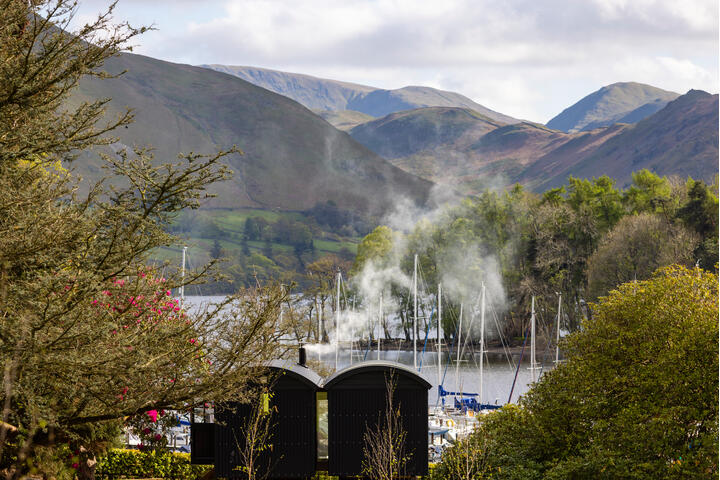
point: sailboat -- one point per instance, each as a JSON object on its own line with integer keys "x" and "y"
{"x": 470, "y": 401}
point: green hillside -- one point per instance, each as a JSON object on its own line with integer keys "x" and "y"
{"x": 293, "y": 159}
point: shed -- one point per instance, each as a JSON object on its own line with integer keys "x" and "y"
{"x": 292, "y": 405}
{"x": 357, "y": 399}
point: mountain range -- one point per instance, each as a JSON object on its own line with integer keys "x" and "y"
{"x": 322, "y": 94}
{"x": 466, "y": 150}
{"x": 404, "y": 141}
{"x": 293, "y": 159}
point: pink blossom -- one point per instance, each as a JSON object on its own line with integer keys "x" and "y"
{"x": 192, "y": 340}
{"x": 157, "y": 437}
{"x": 153, "y": 414}
{"x": 167, "y": 293}
{"x": 75, "y": 465}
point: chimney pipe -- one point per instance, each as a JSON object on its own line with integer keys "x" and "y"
{"x": 302, "y": 356}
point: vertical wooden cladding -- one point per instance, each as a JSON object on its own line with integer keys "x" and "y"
{"x": 357, "y": 398}
{"x": 202, "y": 443}
{"x": 293, "y": 410}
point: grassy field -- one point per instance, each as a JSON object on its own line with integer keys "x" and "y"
{"x": 200, "y": 230}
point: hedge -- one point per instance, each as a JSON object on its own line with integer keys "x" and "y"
{"x": 119, "y": 463}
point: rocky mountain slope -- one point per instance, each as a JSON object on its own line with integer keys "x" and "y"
{"x": 627, "y": 102}
{"x": 468, "y": 151}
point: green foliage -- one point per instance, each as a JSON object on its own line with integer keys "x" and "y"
{"x": 580, "y": 240}
{"x": 374, "y": 247}
{"x": 636, "y": 247}
{"x": 118, "y": 463}
{"x": 637, "y": 397}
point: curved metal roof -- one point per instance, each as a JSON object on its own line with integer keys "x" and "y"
{"x": 303, "y": 373}
{"x": 375, "y": 365}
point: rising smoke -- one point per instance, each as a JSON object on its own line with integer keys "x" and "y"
{"x": 463, "y": 264}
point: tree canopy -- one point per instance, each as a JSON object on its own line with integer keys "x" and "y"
{"x": 636, "y": 398}
{"x": 89, "y": 332}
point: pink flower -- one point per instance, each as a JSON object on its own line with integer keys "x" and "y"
{"x": 167, "y": 293}
{"x": 75, "y": 465}
{"x": 192, "y": 340}
{"x": 146, "y": 431}
{"x": 157, "y": 437}
{"x": 153, "y": 414}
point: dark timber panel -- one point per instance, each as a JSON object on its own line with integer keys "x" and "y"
{"x": 293, "y": 419}
{"x": 202, "y": 443}
{"x": 357, "y": 398}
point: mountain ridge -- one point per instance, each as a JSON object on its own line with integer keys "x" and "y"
{"x": 680, "y": 139}
{"x": 325, "y": 94}
{"x": 615, "y": 103}
{"x": 292, "y": 158}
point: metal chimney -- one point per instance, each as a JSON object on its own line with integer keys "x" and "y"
{"x": 302, "y": 356}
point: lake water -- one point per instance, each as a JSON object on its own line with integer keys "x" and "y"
{"x": 498, "y": 372}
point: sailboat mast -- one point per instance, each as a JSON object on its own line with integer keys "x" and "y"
{"x": 557, "y": 331}
{"x": 380, "y": 319}
{"x": 352, "y": 332}
{"x": 182, "y": 276}
{"x": 439, "y": 335}
{"x": 532, "y": 341}
{"x": 482, "y": 342}
{"x": 337, "y": 320}
{"x": 457, "y": 364}
{"x": 416, "y": 312}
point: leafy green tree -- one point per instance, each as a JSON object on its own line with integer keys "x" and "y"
{"x": 701, "y": 214}
{"x": 376, "y": 246}
{"x": 649, "y": 193}
{"x": 89, "y": 334}
{"x": 637, "y": 396}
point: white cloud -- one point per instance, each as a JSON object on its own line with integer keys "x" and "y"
{"x": 525, "y": 58}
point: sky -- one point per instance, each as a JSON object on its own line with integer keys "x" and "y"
{"x": 526, "y": 58}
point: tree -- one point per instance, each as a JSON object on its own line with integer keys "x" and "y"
{"x": 637, "y": 396}
{"x": 322, "y": 275}
{"x": 384, "y": 453}
{"x": 216, "y": 252}
{"x": 701, "y": 214}
{"x": 649, "y": 193}
{"x": 255, "y": 435}
{"x": 466, "y": 459}
{"x": 89, "y": 333}
{"x": 635, "y": 248}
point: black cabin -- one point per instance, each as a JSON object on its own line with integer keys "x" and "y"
{"x": 357, "y": 399}
{"x": 292, "y": 406}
